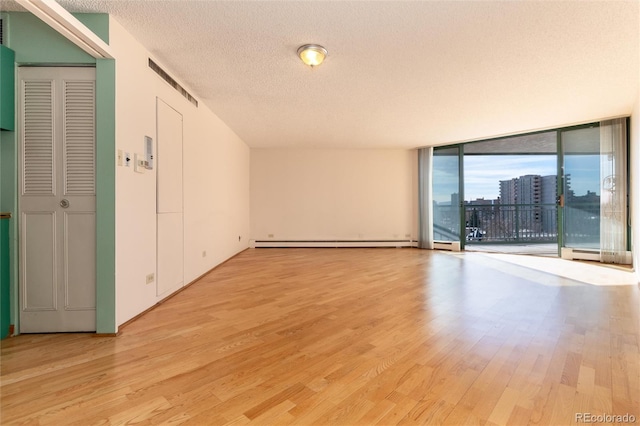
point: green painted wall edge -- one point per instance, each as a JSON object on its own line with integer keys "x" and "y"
{"x": 5, "y": 264}
{"x": 106, "y": 196}
{"x": 8, "y": 203}
{"x": 7, "y": 189}
{"x": 7, "y": 88}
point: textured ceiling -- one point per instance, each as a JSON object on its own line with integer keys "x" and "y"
{"x": 399, "y": 73}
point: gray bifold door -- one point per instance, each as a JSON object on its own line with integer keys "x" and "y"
{"x": 57, "y": 199}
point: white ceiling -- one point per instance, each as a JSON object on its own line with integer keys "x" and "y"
{"x": 399, "y": 73}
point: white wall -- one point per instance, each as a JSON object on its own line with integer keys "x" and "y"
{"x": 333, "y": 194}
{"x": 216, "y": 180}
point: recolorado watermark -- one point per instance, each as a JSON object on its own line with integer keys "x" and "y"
{"x": 605, "y": 418}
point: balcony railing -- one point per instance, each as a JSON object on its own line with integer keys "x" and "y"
{"x": 516, "y": 223}
{"x": 519, "y": 223}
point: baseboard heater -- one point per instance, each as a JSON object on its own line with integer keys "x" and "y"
{"x": 332, "y": 243}
{"x": 447, "y": 245}
{"x": 587, "y": 254}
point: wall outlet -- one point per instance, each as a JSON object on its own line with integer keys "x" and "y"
{"x": 127, "y": 159}
{"x": 120, "y": 157}
{"x": 151, "y": 278}
{"x": 204, "y": 253}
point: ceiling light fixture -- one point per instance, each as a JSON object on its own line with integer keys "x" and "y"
{"x": 312, "y": 54}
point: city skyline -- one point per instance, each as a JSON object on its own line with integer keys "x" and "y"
{"x": 483, "y": 174}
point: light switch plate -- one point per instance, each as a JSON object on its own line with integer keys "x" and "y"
{"x": 139, "y": 163}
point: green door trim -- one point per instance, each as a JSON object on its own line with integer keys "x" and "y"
{"x": 106, "y": 197}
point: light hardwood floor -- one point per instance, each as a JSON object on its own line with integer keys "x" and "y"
{"x": 346, "y": 337}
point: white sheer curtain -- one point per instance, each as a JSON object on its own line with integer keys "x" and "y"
{"x": 425, "y": 198}
{"x": 613, "y": 190}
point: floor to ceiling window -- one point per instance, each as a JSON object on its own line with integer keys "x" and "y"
{"x": 563, "y": 188}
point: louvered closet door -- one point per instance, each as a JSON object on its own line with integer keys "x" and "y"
{"x": 57, "y": 199}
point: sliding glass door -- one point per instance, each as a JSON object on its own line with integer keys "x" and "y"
{"x": 594, "y": 196}
{"x": 567, "y": 185}
{"x": 510, "y": 189}
{"x": 580, "y": 188}
{"x": 446, "y": 194}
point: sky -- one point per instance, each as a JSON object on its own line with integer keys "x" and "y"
{"x": 484, "y": 172}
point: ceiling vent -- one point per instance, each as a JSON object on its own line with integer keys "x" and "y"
{"x": 166, "y": 77}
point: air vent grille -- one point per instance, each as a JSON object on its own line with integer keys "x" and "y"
{"x": 166, "y": 77}
{"x": 38, "y": 161}
{"x": 79, "y": 137}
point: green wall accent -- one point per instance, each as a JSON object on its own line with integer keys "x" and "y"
{"x": 34, "y": 42}
{"x": 8, "y": 203}
{"x": 7, "y": 88}
{"x": 5, "y": 263}
{"x": 7, "y": 184}
{"x": 106, "y": 195}
{"x": 96, "y": 22}
{"x": 37, "y": 43}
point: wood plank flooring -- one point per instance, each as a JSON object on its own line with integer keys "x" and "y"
{"x": 344, "y": 337}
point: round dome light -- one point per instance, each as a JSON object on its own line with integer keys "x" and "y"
{"x": 312, "y": 54}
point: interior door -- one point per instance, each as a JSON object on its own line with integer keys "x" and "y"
{"x": 57, "y": 199}
{"x": 170, "y": 253}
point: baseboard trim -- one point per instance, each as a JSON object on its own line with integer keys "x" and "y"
{"x": 590, "y": 254}
{"x": 446, "y": 245}
{"x": 332, "y": 243}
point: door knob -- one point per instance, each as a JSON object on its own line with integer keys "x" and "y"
{"x": 64, "y": 203}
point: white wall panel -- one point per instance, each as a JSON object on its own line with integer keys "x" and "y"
{"x": 170, "y": 253}
{"x": 333, "y": 194}
{"x": 216, "y": 180}
{"x": 168, "y": 159}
